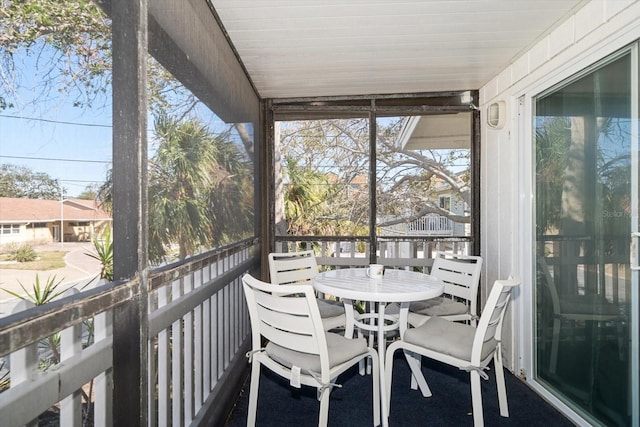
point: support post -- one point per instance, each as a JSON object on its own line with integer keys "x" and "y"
{"x": 130, "y": 327}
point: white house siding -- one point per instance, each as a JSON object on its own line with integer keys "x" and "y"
{"x": 28, "y": 235}
{"x": 600, "y": 28}
{"x": 13, "y": 238}
{"x": 39, "y": 235}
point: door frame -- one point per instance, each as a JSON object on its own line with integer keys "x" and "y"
{"x": 523, "y": 104}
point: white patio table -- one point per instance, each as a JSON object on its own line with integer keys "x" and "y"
{"x": 399, "y": 286}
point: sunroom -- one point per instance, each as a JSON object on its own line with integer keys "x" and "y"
{"x": 516, "y": 123}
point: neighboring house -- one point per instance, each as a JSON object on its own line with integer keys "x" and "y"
{"x": 436, "y": 132}
{"x": 450, "y": 200}
{"x": 43, "y": 221}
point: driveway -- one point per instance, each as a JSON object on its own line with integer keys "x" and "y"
{"x": 80, "y": 269}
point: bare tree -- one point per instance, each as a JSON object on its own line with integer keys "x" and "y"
{"x": 407, "y": 181}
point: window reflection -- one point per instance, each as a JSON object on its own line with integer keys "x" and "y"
{"x": 201, "y": 173}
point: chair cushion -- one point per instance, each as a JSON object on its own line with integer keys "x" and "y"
{"x": 340, "y": 350}
{"x": 329, "y": 308}
{"x": 447, "y": 337}
{"x": 439, "y": 306}
{"x": 588, "y": 304}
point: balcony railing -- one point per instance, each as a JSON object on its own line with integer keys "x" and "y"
{"x": 353, "y": 251}
{"x": 198, "y": 330}
{"x": 428, "y": 225}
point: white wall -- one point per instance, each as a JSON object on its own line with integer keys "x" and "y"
{"x": 598, "y": 29}
{"x": 30, "y": 236}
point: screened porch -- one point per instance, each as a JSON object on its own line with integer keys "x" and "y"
{"x": 165, "y": 342}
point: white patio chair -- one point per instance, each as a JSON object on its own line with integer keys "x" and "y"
{"x": 467, "y": 347}
{"x": 461, "y": 276}
{"x": 298, "y": 347}
{"x": 572, "y": 308}
{"x": 300, "y": 268}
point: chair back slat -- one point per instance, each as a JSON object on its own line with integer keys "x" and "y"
{"x": 460, "y": 274}
{"x": 289, "y": 319}
{"x": 288, "y": 339}
{"x": 292, "y": 267}
{"x": 543, "y": 267}
{"x": 497, "y": 314}
{"x": 490, "y": 323}
{"x": 302, "y": 325}
{"x": 288, "y": 303}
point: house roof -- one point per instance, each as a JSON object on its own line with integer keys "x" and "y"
{"x": 437, "y": 131}
{"x": 305, "y": 48}
{"x": 14, "y": 210}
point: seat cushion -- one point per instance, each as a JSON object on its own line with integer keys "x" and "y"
{"x": 340, "y": 350}
{"x": 588, "y": 304}
{"x": 329, "y": 308}
{"x": 439, "y": 306}
{"x": 447, "y": 337}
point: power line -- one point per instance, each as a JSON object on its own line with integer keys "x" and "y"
{"x": 74, "y": 181}
{"x": 56, "y": 121}
{"x": 56, "y": 160}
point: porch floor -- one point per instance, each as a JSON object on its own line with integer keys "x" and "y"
{"x": 450, "y": 405}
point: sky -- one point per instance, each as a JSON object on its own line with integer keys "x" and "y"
{"x": 75, "y": 154}
{"x": 46, "y": 132}
{"x": 70, "y": 144}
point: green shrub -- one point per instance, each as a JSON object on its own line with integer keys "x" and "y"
{"x": 104, "y": 253}
{"x": 25, "y": 253}
{"x": 41, "y": 293}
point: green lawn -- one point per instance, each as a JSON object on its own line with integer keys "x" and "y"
{"x": 47, "y": 260}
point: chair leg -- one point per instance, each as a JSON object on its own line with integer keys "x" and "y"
{"x": 476, "y": 399}
{"x": 621, "y": 340}
{"x": 414, "y": 381}
{"x": 388, "y": 372}
{"x": 417, "y": 378}
{"x": 363, "y": 363}
{"x": 376, "y": 388}
{"x": 323, "y": 419}
{"x": 500, "y": 384}
{"x": 253, "y": 393}
{"x": 553, "y": 364}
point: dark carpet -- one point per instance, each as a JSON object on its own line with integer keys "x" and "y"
{"x": 281, "y": 405}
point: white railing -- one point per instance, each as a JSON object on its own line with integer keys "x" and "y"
{"x": 80, "y": 378}
{"x": 197, "y": 327}
{"x": 198, "y": 331}
{"x": 428, "y": 225}
{"x": 395, "y": 252}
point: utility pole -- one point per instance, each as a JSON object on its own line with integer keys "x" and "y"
{"x": 61, "y": 214}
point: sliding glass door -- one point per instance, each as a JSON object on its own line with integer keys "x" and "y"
{"x": 586, "y": 220}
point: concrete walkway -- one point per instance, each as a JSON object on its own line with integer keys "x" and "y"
{"x": 80, "y": 269}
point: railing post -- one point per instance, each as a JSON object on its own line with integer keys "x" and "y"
{"x": 164, "y": 396}
{"x": 177, "y": 357}
{"x": 103, "y": 384}
{"x": 70, "y": 345}
{"x": 197, "y": 347}
{"x": 24, "y": 362}
{"x": 188, "y": 355}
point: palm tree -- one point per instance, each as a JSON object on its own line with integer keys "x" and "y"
{"x": 229, "y": 204}
{"x": 305, "y": 200}
{"x": 200, "y": 189}
{"x": 179, "y": 173}
{"x": 199, "y": 184}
